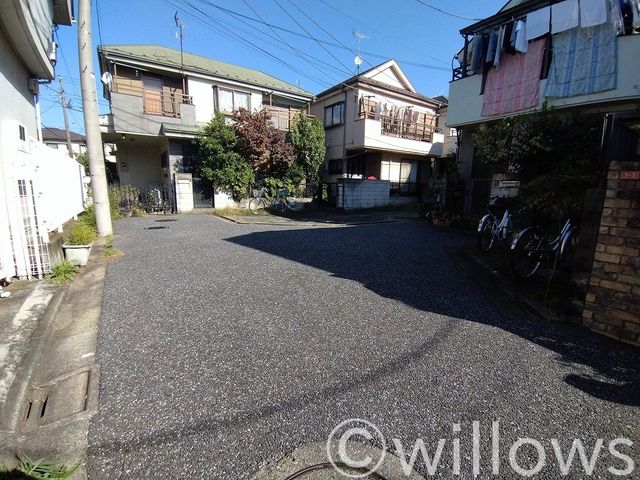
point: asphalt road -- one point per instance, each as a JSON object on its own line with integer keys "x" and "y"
{"x": 223, "y": 347}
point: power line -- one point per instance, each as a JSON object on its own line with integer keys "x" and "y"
{"x": 99, "y": 22}
{"x": 244, "y": 40}
{"x": 437, "y": 9}
{"x": 322, "y": 28}
{"x": 292, "y": 32}
{"x": 375, "y": 30}
{"x": 295, "y": 50}
{"x": 314, "y": 39}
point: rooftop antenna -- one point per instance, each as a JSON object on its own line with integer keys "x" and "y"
{"x": 360, "y": 36}
{"x": 180, "y": 24}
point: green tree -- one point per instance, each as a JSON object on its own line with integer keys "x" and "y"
{"x": 554, "y": 154}
{"x": 307, "y": 137}
{"x": 218, "y": 161}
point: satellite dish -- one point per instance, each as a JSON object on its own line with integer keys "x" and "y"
{"x": 357, "y": 60}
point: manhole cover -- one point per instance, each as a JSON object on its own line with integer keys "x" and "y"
{"x": 166, "y": 220}
{"x": 158, "y": 227}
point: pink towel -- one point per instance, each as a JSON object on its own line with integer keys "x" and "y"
{"x": 515, "y": 85}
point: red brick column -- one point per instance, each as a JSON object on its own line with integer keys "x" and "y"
{"x": 612, "y": 304}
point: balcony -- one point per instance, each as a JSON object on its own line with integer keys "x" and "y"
{"x": 282, "y": 117}
{"x": 465, "y": 99}
{"x": 410, "y": 125}
{"x": 155, "y": 102}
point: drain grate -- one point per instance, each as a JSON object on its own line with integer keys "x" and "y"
{"x": 56, "y": 401}
{"x": 157, "y": 227}
{"x": 166, "y": 220}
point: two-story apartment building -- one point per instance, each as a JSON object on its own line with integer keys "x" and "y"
{"x": 377, "y": 126}
{"x": 569, "y": 54}
{"x": 158, "y": 99}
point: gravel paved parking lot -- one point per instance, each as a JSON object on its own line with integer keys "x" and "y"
{"x": 223, "y": 347}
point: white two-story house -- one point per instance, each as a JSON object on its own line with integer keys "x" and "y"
{"x": 159, "y": 98}
{"x": 570, "y": 54}
{"x": 377, "y": 126}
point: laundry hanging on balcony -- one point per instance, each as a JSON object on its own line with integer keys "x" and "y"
{"x": 593, "y": 12}
{"x": 565, "y": 16}
{"x": 515, "y": 86}
{"x": 538, "y": 23}
{"x": 584, "y": 61}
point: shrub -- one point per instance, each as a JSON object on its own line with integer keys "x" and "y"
{"x": 79, "y": 233}
{"x": 62, "y": 273}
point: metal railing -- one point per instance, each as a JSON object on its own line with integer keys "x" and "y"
{"x": 152, "y": 198}
{"x": 404, "y": 123}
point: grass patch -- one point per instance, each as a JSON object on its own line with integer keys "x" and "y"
{"x": 63, "y": 273}
{"x": 236, "y": 212}
{"x": 109, "y": 250}
{"x": 37, "y": 470}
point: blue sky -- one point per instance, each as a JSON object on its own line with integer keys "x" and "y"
{"x": 422, "y": 39}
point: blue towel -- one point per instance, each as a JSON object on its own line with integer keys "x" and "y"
{"x": 585, "y": 60}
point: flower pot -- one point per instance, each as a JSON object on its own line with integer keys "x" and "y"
{"x": 77, "y": 254}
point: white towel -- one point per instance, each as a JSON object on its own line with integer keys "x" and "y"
{"x": 593, "y": 12}
{"x": 565, "y": 16}
{"x": 521, "y": 37}
{"x": 538, "y": 23}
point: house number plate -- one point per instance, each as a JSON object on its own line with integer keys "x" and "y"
{"x": 630, "y": 175}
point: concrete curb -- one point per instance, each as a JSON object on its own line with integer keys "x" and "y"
{"x": 16, "y": 394}
{"x": 537, "y": 309}
{"x": 296, "y": 223}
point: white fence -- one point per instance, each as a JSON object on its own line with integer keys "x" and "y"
{"x": 40, "y": 189}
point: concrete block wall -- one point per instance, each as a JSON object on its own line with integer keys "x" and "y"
{"x": 357, "y": 194}
{"x": 612, "y": 305}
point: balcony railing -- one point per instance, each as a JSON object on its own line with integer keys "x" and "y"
{"x": 282, "y": 117}
{"x": 155, "y": 102}
{"x": 401, "y": 123}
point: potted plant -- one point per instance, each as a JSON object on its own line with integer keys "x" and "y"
{"x": 78, "y": 239}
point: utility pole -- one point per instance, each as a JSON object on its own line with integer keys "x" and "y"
{"x": 180, "y": 25}
{"x": 95, "y": 150}
{"x": 65, "y": 105}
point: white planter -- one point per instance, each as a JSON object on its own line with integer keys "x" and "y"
{"x": 77, "y": 254}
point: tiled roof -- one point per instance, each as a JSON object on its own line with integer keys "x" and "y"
{"x": 195, "y": 63}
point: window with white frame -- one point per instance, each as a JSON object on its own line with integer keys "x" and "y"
{"x": 232, "y": 100}
{"x": 334, "y": 115}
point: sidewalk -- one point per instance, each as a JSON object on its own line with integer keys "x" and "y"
{"x": 51, "y": 375}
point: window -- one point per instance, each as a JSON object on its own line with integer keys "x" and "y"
{"x": 22, "y": 134}
{"x": 335, "y": 166}
{"x": 153, "y": 101}
{"x": 230, "y": 100}
{"x": 334, "y": 115}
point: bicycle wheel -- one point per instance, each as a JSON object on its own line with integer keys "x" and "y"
{"x": 568, "y": 250}
{"x": 257, "y": 204}
{"x": 526, "y": 255}
{"x": 485, "y": 234}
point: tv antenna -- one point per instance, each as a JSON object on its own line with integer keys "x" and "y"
{"x": 358, "y": 59}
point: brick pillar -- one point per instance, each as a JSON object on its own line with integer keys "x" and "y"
{"x": 612, "y": 304}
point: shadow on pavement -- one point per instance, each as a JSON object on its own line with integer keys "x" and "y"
{"x": 435, "y": 281}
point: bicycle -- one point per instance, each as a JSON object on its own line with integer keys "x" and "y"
{"x": 490, "y": 230}
{"x": 279, "y": 204}
{"x": 530, "y": 248}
